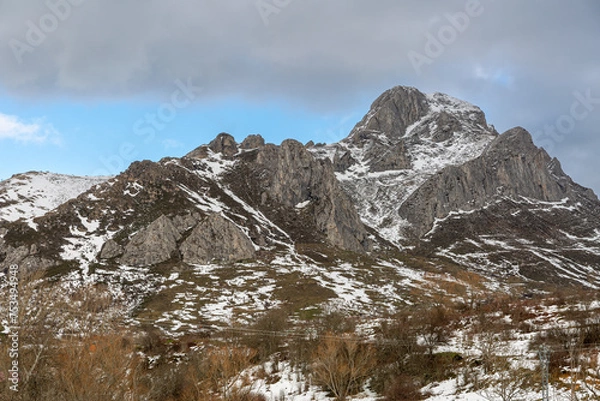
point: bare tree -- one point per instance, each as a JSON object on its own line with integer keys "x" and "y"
{"x": 53, "y": 325}
{"x": 591, "y": 374}
{"x": 225, "y": 368}
{"x": 508, "y": 383}
{"x": 343, "y": 365}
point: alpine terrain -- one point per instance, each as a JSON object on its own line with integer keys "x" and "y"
{"x": 423, "y": 207}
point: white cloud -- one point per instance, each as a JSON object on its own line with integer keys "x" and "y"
{"x": 37, "y": 131}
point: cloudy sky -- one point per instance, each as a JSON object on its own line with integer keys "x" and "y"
{"x": 87, "y": 86}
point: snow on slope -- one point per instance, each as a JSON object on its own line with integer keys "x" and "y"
{"x": 30, "y": 195}
{"x": 379, "y": 194}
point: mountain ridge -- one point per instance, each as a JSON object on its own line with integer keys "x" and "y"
{"x": 421, "y": 183}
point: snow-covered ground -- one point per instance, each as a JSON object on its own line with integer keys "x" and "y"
{"x": 30, "y": 195}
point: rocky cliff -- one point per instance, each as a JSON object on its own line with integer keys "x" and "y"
{"x": 510, "y": 167}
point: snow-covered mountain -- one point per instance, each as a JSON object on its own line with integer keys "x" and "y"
{"x": 422, "y": 187}
{"x": 33, "y": 194}
{"x": 404, "y": 139}
{"x": 428, "y": 173}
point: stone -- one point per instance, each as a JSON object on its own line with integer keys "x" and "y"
{"x": 186, "y": 222}
{"x": 216, "y": 239}
{"x": 391, "y": 113}
{"x": 393, "y": 158}
{"x": 224, "y": 144}
{"x": 25, "y": 257}
{"x": 343, "y": 162}
{"x": 288, "y": 175}
{"x": 154, "y": 244}
{"x": 201, "y": 152}
{"x": 111, "y": 249}
{"x": 512, "y": 166}
{"x": 252, "y": 142}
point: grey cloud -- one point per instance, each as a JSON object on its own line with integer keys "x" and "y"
{"x": 318, "y": 55}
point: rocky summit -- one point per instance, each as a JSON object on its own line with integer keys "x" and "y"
{"x": 421, "y": 184}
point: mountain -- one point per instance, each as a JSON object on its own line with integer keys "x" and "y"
{"x": 404, "y": 139}
{"x": 422, "y": 187}
{"x": 429, "y": 174}
{"x": 30, "y": 195}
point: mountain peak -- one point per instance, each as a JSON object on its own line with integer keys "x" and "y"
{"x": 392, "y": 113}
{"x": 405, "y": 111}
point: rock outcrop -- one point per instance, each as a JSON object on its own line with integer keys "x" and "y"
{"x": 154, "y": 244}
{"x": 252, "y": 142}
{"x": 216, "y": 239}
{"x": 224, "y": 144}
{"x": 26, "y": 257}
{"x": 111, "y": 249}
{"x": 391, "y": 113}
{"x": 279, "y": 178}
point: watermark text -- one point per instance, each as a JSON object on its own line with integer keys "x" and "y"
{"x": 13, "y": 319}
{"x": 581, "y": 107}
{"x": 38, "y": 31}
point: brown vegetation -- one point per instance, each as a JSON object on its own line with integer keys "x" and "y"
{"x": 72, "y": 349}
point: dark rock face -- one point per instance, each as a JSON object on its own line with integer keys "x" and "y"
{"x": 380, "y": 133}
{"x": 225, "y": 144}
{"x": 512, "y": 166}
{"x": 111, "y": 249}
{"x": 154, "y": 244}
{"x": 295, "y": 176}
{"x": 394, "y": 158}
{"x": 26, "y": 257}
{"x": 200, "y": 152}
{"x": 216, "y": 239}
{"x": 289, "y": 175}
{"x": 394, "y": 111}
{"x": 252, "y": 142}
{"x": 343, "y": 161}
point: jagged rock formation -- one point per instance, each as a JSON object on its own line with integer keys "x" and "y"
{"x": 391, "y": 113}
{"x": 404, "y": 139}
{"x": 224, "y": 144}
{"x": 252, "y": 142}
{"x": 511, "y": 166}
{"x": 291, "y": 177}
{"x": 221, "y": 202}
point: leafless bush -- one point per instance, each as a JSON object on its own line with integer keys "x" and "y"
{"x": 342, "y": 365}
{"x": 269, "y": 331}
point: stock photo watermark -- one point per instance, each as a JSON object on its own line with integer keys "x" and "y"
{"x": 37, "y": 32}
{"x": 13, "y": 326}
{"x": 148, "y": 126}
{"x": 583, "y": 105}
{"x": 436, "y": 43}
{"x": 267, "y": 8}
